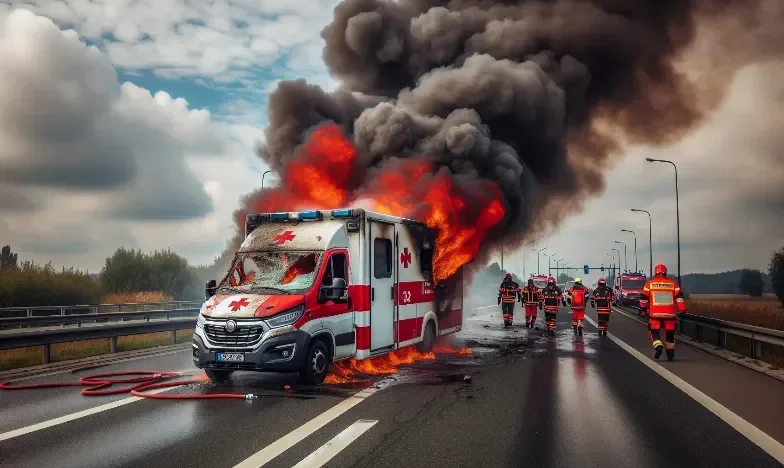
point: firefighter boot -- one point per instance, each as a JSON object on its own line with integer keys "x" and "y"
{"x": 580, "y": 329}
{"x": 670, "y": 354}
{"x": 659, "y": 349}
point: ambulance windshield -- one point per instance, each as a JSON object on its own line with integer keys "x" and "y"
{"x": 272, "y": 272}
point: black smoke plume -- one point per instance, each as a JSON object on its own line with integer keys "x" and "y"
{"x": 535, "y": 96}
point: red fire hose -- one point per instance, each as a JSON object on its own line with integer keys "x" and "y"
{"x": 140, "y": 382}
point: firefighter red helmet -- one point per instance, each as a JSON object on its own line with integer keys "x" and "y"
{"x": 508, "y": 276}
{"x": 602, "y": 281}
{"x": 551, "y": 280}
{"x": 660, "y": 270}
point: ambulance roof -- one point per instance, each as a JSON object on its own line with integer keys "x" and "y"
{"x": 304, "y": 236}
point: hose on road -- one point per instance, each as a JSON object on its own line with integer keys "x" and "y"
{"x": 137, "y": 383}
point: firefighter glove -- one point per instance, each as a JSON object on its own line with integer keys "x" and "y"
{"x": 499, "y": 300}
{"x": 540, "y": 306}
{"x": 593, "y": 304}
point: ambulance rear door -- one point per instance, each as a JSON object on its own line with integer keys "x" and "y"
{"x": 383, "y": 311}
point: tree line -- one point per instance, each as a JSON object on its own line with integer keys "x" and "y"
{"x": 27, "y": 284}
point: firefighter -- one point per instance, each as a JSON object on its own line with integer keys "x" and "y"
{"x": 532, "y": 298}
{"x": 508, "y": 294}
{"x": 602, "y": 299}
{"x": 662, "y": 300}
{"x": 577, "y": 297}
{"x": 552, "y": 298}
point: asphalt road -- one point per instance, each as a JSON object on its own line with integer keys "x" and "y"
{"x": 533, "y": 401}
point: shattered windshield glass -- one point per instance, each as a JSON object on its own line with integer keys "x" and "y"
{"x": 272, "y": 272}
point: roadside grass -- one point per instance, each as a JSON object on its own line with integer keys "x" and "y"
{"x": 142, "y": 297}
{"x": 32, "y": 356}
{"x": 762, "y": 312}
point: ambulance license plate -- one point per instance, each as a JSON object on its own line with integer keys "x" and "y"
{"x": 230, "y": 357}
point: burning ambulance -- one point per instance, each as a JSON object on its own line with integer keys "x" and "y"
{"x": 540, "y": 281}
{"x": 309, "y": 288}
{"x": 628, "y": 288}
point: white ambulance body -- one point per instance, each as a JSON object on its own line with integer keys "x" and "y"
{"x": 309, "y": 288}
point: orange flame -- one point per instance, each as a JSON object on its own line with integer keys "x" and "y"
{"x": 441, "y": 349}
{"x": 325, "y": 174}
{"x": 348, "y": 371}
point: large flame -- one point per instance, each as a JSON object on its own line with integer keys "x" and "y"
{"x": 323, "y": 175}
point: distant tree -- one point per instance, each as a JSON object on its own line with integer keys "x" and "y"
{"x": 776, "y": 272}
{"x": 751, "y": 282}
{"x": 134, "y": 271}
{"x": 563, "y": 278}
{"x": 8, "y": 260}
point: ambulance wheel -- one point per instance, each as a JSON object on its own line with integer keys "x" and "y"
{"x": 217, "y": 375}
{"x": 429, "y": 339}
{"x": 316, "y": 366}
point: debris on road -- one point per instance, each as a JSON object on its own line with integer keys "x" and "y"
{"x": 467, "y": 379}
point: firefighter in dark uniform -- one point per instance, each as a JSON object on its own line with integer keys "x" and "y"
{"x": 602, "y": 299}
{"x": 532, "y": 298}
{"x": 552, "y": 298}
{"x": 508, "y": 294}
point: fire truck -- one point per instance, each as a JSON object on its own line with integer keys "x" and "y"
{"x": 309, "y": 288}
{"x": 628, "y": 288}
{"x": 540, "y": 281}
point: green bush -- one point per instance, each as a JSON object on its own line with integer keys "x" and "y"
{"x": 132, "y": 270}
{"x": 776, "y": 272}
{"x": 31, "y": 285}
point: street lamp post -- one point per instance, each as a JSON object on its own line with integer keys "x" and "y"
{"x": 262, "y": 179}
{"x": 619, "y": 262}
{"x": 636, "y": 266}
{"x": 677, "y": 212}
{"x": 549, "y": 264}
{"x": 538, "y": 251}
{"x": 650, "y": 238}
{"x": 524, "y": 246}
{"x": 625, "y": 258}
{"x": 557, "y": 269}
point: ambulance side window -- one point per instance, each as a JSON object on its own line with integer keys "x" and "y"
{"x": 382, "y": 258}
{"x": 336, "y": 268}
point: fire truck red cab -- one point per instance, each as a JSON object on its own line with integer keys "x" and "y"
{"x": 540, "y": 281}
{"x": 628, "y": 288}
{"x": 306, "y": 289}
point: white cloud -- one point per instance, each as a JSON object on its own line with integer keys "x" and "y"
{"x": 89, "y": 164}
{"x": 182, "y": 38}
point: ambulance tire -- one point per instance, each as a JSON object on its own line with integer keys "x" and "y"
{"x": 316, "y": 366}
{"x": 429, "y": 339}
{"x": 218, "y": 375}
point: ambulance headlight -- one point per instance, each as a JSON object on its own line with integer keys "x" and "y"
{"x": 286, "y": 318}
{"x": 200, "y": 321}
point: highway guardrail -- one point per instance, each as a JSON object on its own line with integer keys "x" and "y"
{"x": 7, "y": 312}
{"x": 748, "y": 340}
{"x": 140, "y": 323}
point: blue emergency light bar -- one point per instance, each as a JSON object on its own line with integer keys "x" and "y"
{"x": 341, "y": 213}
{"x": 279, "y": 216}
{"x": 309, "y": 215}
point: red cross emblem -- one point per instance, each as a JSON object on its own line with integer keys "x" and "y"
{"x": 237, "y": 305}
{"x": 405, "y": 257}
{"x": 281, "y": 239}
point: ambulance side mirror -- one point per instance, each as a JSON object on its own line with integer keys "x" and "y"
{"x": 337, "y": 291}
{"x": 209, "y": 289}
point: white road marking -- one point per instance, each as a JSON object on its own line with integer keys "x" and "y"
{"x": 77, "y": 415}
{"x": 328, "y": 451}
{"x": 271, "y": 451}
{"x": 751, "y": 432}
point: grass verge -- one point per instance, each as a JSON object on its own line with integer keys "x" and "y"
{"x": 760, "y": 316}
{"x": 33, "y": 355}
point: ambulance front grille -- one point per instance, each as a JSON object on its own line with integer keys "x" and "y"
{"x": 243, "y": 336}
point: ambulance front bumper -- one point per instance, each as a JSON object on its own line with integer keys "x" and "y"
{"x": 278, "y": 350}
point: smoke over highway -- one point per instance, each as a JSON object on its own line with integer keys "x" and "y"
{"x": 535, "y": 98}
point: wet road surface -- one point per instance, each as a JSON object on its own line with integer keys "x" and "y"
{"x": 532, "y": 401}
